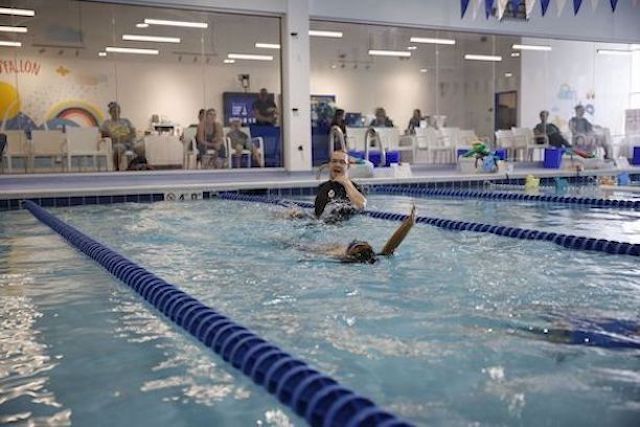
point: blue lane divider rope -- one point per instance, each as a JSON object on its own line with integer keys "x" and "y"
{"x": 490, "y": 195}
{"x": 321, "y": 400}
{"x": 565, "y": 240}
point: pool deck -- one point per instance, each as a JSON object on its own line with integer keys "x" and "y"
{"x": 118, "y": 183}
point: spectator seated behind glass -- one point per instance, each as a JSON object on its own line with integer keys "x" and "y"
{"x": 546, "y": 132}
{"x": 265, "y": 110}
{"x": 240, "y": 143}
{"x": 381, "y": 120}
{"x": 586, "y": 137}
{"x": 414, "y": 122}
{"x": 339, "y": 121}
{"x": 210, "y": 141}
{"x": 122, "y": 135}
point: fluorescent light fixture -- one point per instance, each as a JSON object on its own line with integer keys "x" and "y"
{"x": 614, "y": 52}
{"x": 334, "y": 66}
{"x": 491, "y": 58}
{"x": 250, "y": 57}
{"x": 157, "y": 39}
{"x": 531, "y": 47}
{"x": 508, "y": 75}
{"x": 322, "y": 33}
{"x": 138, "y": 51}
{"x": 431, "y": 40}
{"x": 7, "y": 29}
{"x": 515, "y": 54}
{"x": 17, "y": 12}
{"x": 268, "y": 45}
{"x": 142, "y": 25}
{"x": 185, "y": 24}
{"x": 229, "y": 61}
{"x": 10, "y": 44}
{"x": 397, "y": 53}
{"x": 423, "y": 70}
{"x": 102, "y": 53}
{"x": 412, "y": 47}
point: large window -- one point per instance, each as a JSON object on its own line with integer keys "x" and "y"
{"x": 160, "y": 66}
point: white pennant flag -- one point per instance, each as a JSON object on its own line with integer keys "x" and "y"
{"x": 476, "y": 6}
{"x": 594, "y": 4}
{"x": 560, "y": 5}
{"x": 502, "y": 5}
{"x": 529, "y": 5}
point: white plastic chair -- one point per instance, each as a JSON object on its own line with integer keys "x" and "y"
{"x": 504, "y": 139}
{"x": 189, "y": 148}
{"x": 47, "y": 144}
{"x": 86, "y": 142}
{"x": 441, "y": 145}
{"x": 257, "y": 142}
{"x": 524, "y": 140}
{"x": 17, "y": 147}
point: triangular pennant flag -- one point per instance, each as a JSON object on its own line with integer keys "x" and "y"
{"x": 544, "y": 4}
{"x": 488, "y": 8}
{"x": 560, "y": 6}
{"x": 576, "y": 6}
{"x": 614, "y": 4}
{"x": 464, "y": 4}
{"x": 594, "y": 4}
{"x": 477, "y": 5}
{"x": 502, "y": 5}
{"x": 529, "y": 5}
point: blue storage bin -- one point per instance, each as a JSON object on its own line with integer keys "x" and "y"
{"x": 636, "y": 156}
{"x": 553, "y": 158}
{"x": 461, "y": 152}
{"x": 501, "y": 153}
{"x": 392, "y": 157}
{"x": 357, "y": 154}
{"x": 375, "y": 157}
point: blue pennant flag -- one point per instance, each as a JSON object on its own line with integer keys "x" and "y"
{"x": 464, "y": 4}
{"x": 488, "y": 7}
{"x": 576, "y": 6}
{"x": 545, "y": 5}
{"x": 614, "y": 4}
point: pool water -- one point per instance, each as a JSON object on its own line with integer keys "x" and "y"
{"x": 435, "y": 334}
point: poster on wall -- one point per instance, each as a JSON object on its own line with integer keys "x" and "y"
{"x": 322, "y": 110}
{"x": 239, "y": 106}
{"x": 632, "y": 122}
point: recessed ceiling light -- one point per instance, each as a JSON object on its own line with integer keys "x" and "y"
{"x": 515, "y": 54}
{"x": 268, "y": 45}
{"x": 17, "y": 12}
{"x": 412, "y": 47}
{"x": 432, "y": 40}
{"x": 334, "y": 66}
{"x": 531, "y": 47}
{"x": 8, "y": 29}
{"x": 423, "y": 70}
{"x": 138, "y": 51}
{"x": 185, "y": 24}
{"x": 492, "y": 58}
{"x": 142, "y": 25}
{"x": 102, "y": 53}
{"x": 322, "y": 33}
{"x": 10, "y": 44}
{"x": 614, "y": 52}
{"x": 157, "y": 39}
{"x": 396, "y": 53}
{"x": 229, "y": 61}
{"x": 250, "y": 57}
{"x": 508, "y": 74}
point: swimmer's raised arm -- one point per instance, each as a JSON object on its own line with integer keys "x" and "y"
{"x": 399, "y": 235}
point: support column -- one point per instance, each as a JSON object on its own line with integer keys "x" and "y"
{"x": 296, "y": 108}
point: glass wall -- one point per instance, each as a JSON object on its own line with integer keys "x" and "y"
{"x": 475, "y": 87}
{"x": 74, "y": 64}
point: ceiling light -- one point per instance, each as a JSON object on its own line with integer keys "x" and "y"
{"x": 102, "y": 53}
{"x": 132, "y": 50}
{"x": 515, "y": 54}
{"x": 330, "y": 34}
{"x": 531, "y": 47}
{"x": 412, "y": 47}
{"x": 492, "y": 58}
{"x": 17, "y": 12}
{"x": 268, "y": 45}
{"x": 176, "y": 23}
{"x": 334, "y": 66}
{"x": 10, "y": 44}
{"x": 137, "y": 38}
{"x": 614, "y": 52}
{"x": 397, "y": 53}
{"x": 142, "y": 25}
{"x": 432, "y": 40}
{"x": 250, "y": 57}
{"x": 229, "y": 61}
{"x": 423, "y": 70}
{"x": 7, "y": 29}
{"x": 508, "y": 74}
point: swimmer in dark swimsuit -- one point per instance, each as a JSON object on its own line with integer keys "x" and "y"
{"x": 362, "y": 252}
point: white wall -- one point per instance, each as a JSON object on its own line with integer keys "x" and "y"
{"x": 574, "y": 73}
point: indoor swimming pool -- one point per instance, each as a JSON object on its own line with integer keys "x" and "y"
{"x": 458, "y": 328}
